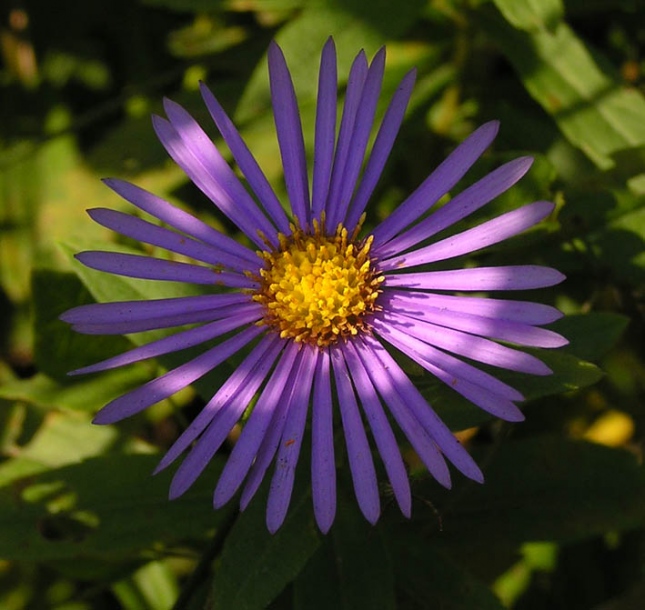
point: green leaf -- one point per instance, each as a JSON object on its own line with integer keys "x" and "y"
{"x": 255, "y": 565}
{"x": 432, "y": 579}
{"x": 531, "y": 14}
{"x": 590, "y": 105}
{"x": 57, "y": 350}
{"x": 84, "y": 394}
{"x": 352, "y": 569}
{"x": 104, "y": 507}
{"x": 543, "y": 488}
{"x": 591, "y": 335}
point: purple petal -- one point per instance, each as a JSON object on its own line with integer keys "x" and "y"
{"x": 240, "y": 386}
{"x": 502, "y": 329}
{"x": 246, "y": 161}
{"x": 360, "y": 136}
{"x": 423, "y": 353}
{"x": 515, "y": 277}
{"x": 437, "y": 184}
{"x": 289, "y": 131}
{"x": 216, "y": 433}
{"x": 478, "y": 387}
{"x": 168, "y": 384}
{"x": 497, "y": 309}
{"x": 209, "y": 179}
{"x": 358, "y": 449}
{"x": 460, "y": 206}
{"x": 471, "y": 346}
{"x": 148, "y": 233}
{"x": 178, "y": 341}
{"x": 404, "y": 389}
{"x": 381, "y": 429}
{"x": 255, "y": 429}
{"x": 108, "y": 314}
{"x": 271, "y": 440}
{"x": 180, "y": 220}
{"x": 148, "y": 268}
{"x": 355, "y": 82}
{"x": 382, "y": 147}
{"x": 486, "y": 234}
{"x": 323, "y": 465}
{"x": 287, "y": 459}
{"x": 325, "y": 128}
{"x": 218, "y": 170}
{"x": 422, "y": 442}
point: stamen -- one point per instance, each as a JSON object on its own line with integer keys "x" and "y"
{"x": 317, "y": 288}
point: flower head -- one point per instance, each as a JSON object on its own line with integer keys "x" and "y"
{"x": 316, "y": 299}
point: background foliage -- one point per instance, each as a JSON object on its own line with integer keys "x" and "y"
{"x": 559, "y": 523}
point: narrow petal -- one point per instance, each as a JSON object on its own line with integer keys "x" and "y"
{"x": 478, "y": 387}
{"x": 435, "y": 186}
{"x": 271, "y": 440}
{"x": 148, "y": 268}
{"x": 176, "y": 342}
{"x": 121, "y": 312}
{"x": 358, "y": 449}
{"x": 460, "y": 206}
{"x": 471, "y": 346}
{"x": 325, "y": 137}
{"x": 148, "y": 233}
{"x": 289, "y": 450}
{"x": 423, "y": 353}
{"x": 512, "y": 277}
{"x": 210, "y": 182}
{"x": 247, "y": 445}
{"x": 486, "y": 234}
{"x": 382, "y": 147}
{"x": 501, "y": 329}
{"x": 240, "y": 386}
{"x": 360, "y": 136}
{"x": 426, "y": 416}
{"x": 323, "y": 464}
{"x": 180, "y": 220}
{"x": 498, "y": 309}
{"x": 422, "y": 442}
{"x": 168, "y": 384}
{"x": 205, "y": 152}
{"x": 289, "y": 131}
{"x": 246, "y": 161}
{"x": 381, "y": 429}
{"x": 355, "y": 83}
{"x": 220, "y": 427}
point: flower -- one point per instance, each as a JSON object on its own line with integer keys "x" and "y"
{"x": 317, "y": 301}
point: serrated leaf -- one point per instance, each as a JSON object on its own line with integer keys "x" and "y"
{"x": 105, "y": 507}
{"x": 255, "y": 565}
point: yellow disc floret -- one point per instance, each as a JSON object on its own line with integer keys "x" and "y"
{"x": 318, "y": 288}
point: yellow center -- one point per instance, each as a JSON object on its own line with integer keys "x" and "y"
{"x": 318, "y": 288}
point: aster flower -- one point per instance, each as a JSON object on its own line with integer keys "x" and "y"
{"x": 315, "y": 300}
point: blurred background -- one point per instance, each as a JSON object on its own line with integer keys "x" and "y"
{"x": 560, "y": 522}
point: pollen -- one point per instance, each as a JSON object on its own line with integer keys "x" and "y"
{"x": 319, "y": 288}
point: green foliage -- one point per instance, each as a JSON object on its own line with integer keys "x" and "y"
{"x": 83, "y": 523}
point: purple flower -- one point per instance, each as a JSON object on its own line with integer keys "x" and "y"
{"x": 315, "y": 300}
